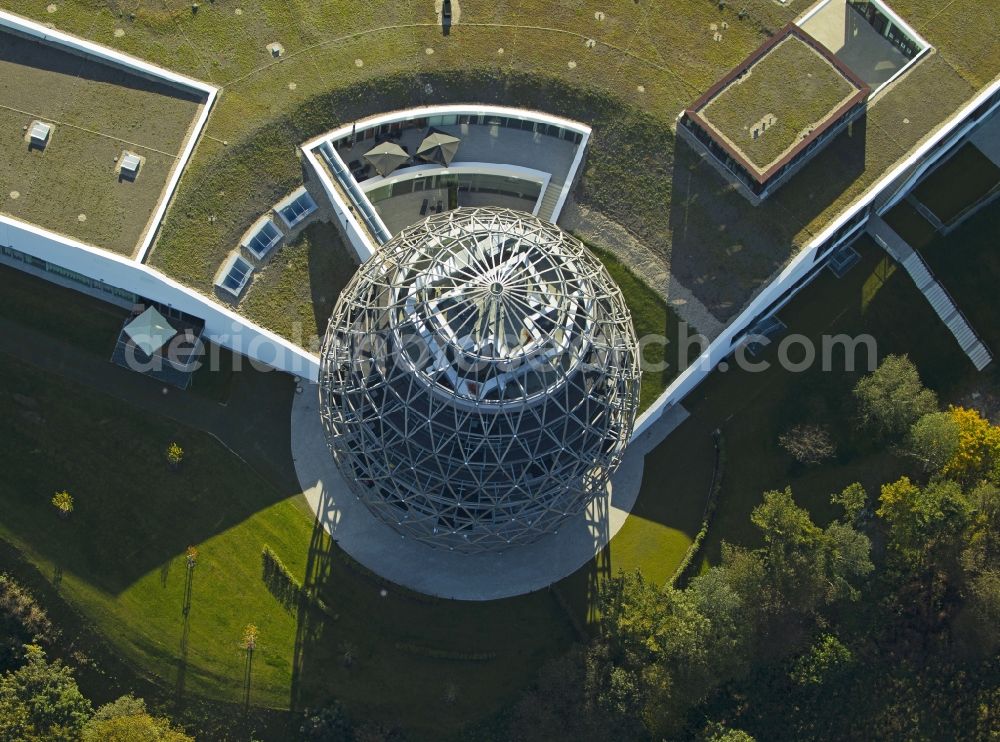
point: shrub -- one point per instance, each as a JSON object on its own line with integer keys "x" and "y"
{"x": 175, "y": 455}
{"x": 892, "y": 398}
{"x": 808, "y": 443}
{"x": 63, "y": 502}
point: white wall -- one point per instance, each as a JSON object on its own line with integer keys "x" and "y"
{"x": 222, "y": 325}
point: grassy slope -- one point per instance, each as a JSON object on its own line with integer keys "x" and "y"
{"x": 294, "y": 296}
{"x": 651, "y": 317}
{"x": 794, "y": 84}
{"x": 964, "y": 179}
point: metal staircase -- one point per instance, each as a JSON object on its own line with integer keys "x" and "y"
{"x": 936, "y": 294}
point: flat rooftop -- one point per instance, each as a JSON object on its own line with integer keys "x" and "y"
{"x": 96, "y": 111}
{"x": 767, "y": 109}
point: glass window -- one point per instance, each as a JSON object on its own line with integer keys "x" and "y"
{"x": 237, "y": 275}
{"x": 264, "y": 240}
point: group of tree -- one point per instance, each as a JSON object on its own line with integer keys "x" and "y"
{"x": 816, "y": 634}
{"x": 40, "y": 700}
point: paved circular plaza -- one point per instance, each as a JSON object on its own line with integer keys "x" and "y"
{"x": 451, "y": 574}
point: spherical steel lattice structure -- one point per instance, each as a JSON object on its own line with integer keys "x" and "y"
{"x": 479, "y": 379}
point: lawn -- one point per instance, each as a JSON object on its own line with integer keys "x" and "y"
{"x": 652, "y": 318}
{"x": 959, "y": 183}
{"x": 791, "y": 85}
{"x": 130, "y": 582}
{"x": 97, "y": 112}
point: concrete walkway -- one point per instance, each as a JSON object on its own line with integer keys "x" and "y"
{"x": 449, "y": 574}
{"x": 602, "y": 232}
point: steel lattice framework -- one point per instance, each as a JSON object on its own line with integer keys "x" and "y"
{"x": 479, "y": 379}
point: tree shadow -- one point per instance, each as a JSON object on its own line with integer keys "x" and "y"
{"x": 723, "y": 248}
{"x": 182, "y": 654}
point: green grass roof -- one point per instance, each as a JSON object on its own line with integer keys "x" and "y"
{"x": 96, "y": 112}
{"x": 340, "y": 63}
{"x": 773, "y": 106}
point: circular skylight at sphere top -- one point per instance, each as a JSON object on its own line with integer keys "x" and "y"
{"x": 479, "y": 379}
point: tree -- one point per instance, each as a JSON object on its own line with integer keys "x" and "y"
{"x": 718, "y": 732}
{"x": 924, "y": 523}
{"x": 807, "y": 566}
{"x": 127, "y": 720}
{"x": 63, "y": 503}
{"x": 175, "y": 455}
{"x": 892, "y": 398}
{"x": 978, "y": 453}
{"x": 808, "y": 443}
{"x": 653, "y": 658}
{"x": 826, "y": 658}
{"x": 979, "y": 622}
{"x": 328, "y": 724}
{"x": 853, "y": 499}
{"x": 250, "y": 636}
{"x": 934, "y": 440}
{"x": 22, "y": 622}
{"x": 41, "y": 701}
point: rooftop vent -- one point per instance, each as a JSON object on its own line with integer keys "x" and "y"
{"x": 39, "y": 135}
{"x": 130, "y": 163}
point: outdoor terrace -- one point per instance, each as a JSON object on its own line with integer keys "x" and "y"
{"x": 856, "y": 33}
{"x": 505, "y": 141}
{"x": 96, "y": 112}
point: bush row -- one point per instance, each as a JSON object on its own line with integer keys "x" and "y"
{"x": 686, "y": 567}
{"x": 279, "y": 580}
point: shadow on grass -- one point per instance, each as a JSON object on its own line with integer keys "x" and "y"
{"x": 16, "y": 50}
{"x": 426, "y": 664}
{"x": 722, "y": 247}
{"x": 72, "y": 421}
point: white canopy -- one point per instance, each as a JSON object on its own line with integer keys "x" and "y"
{"x": 150, "y": 331}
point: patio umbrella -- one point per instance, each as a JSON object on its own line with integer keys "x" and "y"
{"x": 386, "y": 157}
{"x": 438, "y": 147}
